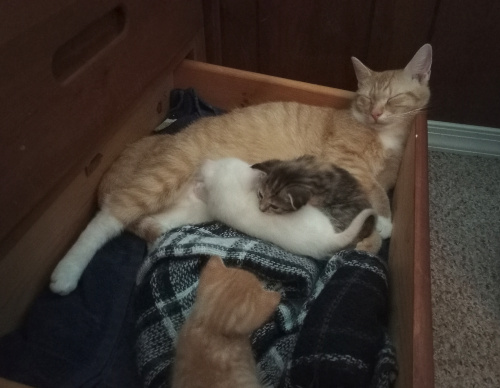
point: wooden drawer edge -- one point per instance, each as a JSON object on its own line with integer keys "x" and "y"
{"x": 411, "y": 313}
{"x": 423, "y": 362}
{"x": 229, "y": 88}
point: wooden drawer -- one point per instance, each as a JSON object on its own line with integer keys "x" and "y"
{"x": 34, "y": 239}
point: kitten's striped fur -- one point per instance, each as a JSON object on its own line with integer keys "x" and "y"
{"x": 287, "y": 185}
{"x": 367, "y": 140}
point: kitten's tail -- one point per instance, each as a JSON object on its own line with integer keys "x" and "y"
{"x": 361, "y": 227}
{"x": 102, "y": 228}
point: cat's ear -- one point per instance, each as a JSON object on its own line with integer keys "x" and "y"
{"x": 215, "y": 262}
{"x": 256, "y": 178}
{"x": 210, "y": 273}
{"x": 420, "y": 65}
{"x": 265, "y": 166}
{"x": 299, "y": 195}
{"x": 362, "y": 72}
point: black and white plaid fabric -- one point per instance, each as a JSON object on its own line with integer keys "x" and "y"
{"x": 330, "y": 329}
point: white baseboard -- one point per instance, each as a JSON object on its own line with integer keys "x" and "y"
{"x": 463, "y": 139}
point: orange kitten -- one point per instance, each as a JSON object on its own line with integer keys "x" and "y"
{"x": 213, "y": 347}
{"x": 367, "y": 140}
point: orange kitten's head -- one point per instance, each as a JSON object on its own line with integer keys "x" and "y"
{"x": 232, "y": 301}
{"x": 393, "y": 96}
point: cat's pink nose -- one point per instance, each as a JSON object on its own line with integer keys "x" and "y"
{"x": 376, "y": 114}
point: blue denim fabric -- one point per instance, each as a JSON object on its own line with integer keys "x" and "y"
{"x": 185, "y": 108}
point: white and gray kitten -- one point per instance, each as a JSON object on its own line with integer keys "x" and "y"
{"x": 229, "y": 188}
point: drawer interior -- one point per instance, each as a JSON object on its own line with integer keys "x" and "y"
{"x": 52, "y": 231}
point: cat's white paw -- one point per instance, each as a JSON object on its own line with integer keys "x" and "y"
{"x": 384, "y": 226}
{"x": 64, "y": 278}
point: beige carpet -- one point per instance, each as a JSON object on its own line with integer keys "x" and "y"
{"x": 465, "y": 266}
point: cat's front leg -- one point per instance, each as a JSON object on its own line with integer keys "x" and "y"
{"x": 383, "y": 228}
{"x": 380, "y": 202}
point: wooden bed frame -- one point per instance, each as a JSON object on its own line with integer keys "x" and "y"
{"x": 79, "y": 81}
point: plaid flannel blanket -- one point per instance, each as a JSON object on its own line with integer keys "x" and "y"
{"x": 329, "y": 329}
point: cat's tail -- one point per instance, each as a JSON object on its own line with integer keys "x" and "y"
{"x": 102, "y": 228}
{"x": 361, "y": 227}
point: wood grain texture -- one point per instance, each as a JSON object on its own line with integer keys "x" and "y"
{"x": 25, "y": 269}
{"x": 409, "y": 262}
{"x": 50, "y": 125}
{"x": 398, "y": 29}
{"x": 423, "y": 362}
{"x": 465, "y": 74}
{"x": 230, "y": 88}
{"x": 239, "y": 38}
{"x": 401, "y": 264}
{"x": 213, "y": 35}
{"x": 313, "y": 41}
{"x": 26, "y": 266}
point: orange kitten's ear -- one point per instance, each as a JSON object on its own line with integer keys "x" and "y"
{"x": 362, "y": 72}
{"x": 215, "y": 262}
{"x": 420, "y": 65}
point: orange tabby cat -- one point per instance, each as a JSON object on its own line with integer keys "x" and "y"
{"x": 367, "y": 140}
{"x": 213, "y": 347}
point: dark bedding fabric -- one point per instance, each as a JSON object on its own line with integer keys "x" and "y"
{"x": 329, "y": 330}
{"x": 185, "y": 107}
{"x": 83, "y": 339}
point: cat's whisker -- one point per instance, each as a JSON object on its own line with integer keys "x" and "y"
{"x": 409, "y": 113}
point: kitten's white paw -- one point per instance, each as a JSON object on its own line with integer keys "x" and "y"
{"x": 64, "y": 278}
{"x": 384, "y": 226}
